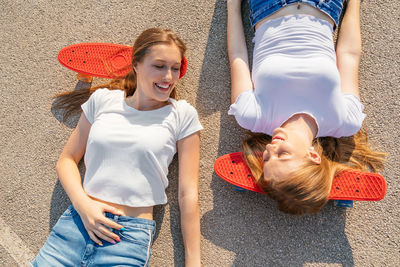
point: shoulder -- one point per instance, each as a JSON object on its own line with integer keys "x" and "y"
{"x": 182, "y": 106}
{"x": 246, "y": 105}
{"x": 104, "y": 95}
{"x": 187, "y": 118}
{"x": 250, "y": 113}
{"x": 352, "y": 116}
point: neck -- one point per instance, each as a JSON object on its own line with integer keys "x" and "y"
{"x": 141, "y": 102}
{"x": 302, "y": 123}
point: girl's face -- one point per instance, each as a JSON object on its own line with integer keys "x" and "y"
{"x": 287, "y": 152}
{"x": 158, "y": 73}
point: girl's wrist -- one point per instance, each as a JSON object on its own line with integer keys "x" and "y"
{"x": 79, "y": 202}
{"x": 234, "y": 3}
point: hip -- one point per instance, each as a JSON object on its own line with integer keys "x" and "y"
{"x": 294, "y": 9}
{"x": 325, "y": 9}
{"x": 69, "y": 244}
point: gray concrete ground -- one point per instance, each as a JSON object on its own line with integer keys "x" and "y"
{"x": 238, "y": 229}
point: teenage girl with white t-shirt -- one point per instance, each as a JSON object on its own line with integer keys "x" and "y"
{"x": 301, "y": 100}
{"x": 128, "y": 133}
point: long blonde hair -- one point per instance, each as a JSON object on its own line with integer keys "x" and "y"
{"x": 71, "y": 101}
{"x": 307, "y": 189}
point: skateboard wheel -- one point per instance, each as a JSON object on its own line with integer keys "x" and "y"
{"x": 239, "y": 189}
{"x": 343, "y": 203}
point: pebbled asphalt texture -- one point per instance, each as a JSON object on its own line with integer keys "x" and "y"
{"x": 238, "y": 229}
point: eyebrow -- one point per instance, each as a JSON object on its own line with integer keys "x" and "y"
{"x": 164, "y": 61}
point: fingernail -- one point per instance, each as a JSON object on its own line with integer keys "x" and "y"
{"x": 112, "y": 241}
{"x": 122, "y": 229}
{"x": 101, "y": 244}
{"x": 118, "y": 240}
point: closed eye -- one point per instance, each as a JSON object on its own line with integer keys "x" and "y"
{"x": 282, "y": 154}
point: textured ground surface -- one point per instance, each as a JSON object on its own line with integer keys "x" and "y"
{"x": 238, "y": 229}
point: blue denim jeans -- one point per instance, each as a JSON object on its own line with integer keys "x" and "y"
{"x": 260, "y": 9}
{"x": 70, "y": 245}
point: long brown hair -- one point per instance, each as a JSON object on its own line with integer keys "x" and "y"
{"x": 307, "y": 189}
{"x": 71, "y": 101}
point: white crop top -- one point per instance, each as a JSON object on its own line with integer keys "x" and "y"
{"x": 128, "y": 151}
{"x": 294, "y": 71}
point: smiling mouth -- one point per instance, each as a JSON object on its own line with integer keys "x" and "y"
{"x": 276, "y": 139}
{"x": 162, "y": 87}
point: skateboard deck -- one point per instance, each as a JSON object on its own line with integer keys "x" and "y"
{"x": 103, "y": 60}
{"x": 347, "y": 185}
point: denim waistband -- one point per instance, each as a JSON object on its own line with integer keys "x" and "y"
{"x": 259, "y": 9}
{"x": 124, "y": 220}
{"x": 128, "y": 221}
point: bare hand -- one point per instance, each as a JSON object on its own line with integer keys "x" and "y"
{"x": 92, "y": 215}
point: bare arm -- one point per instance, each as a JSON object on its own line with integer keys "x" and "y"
{"x": 237, "y": 51}
{"x": 91, "y": 211}
{"x": 189, "y": 158}
{"x": 348, "y": 49}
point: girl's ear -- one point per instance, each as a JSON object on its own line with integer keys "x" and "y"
{"x": 314, "y": 156}
{"x": 135, "y": 67}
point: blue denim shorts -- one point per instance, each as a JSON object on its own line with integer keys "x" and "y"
{"x": 70, "y": 245}
{"x": 260, "y": 9}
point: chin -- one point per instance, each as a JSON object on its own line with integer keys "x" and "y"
{"x": 163, "y": 98}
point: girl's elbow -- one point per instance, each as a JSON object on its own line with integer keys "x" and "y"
{"x": 354, "y": 53}
{"x": 188, "y": 199}
{"x": 63, "y": 160}
{"x": 60, "y": 163}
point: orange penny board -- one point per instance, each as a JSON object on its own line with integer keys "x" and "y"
{"x": 101, "y": 59}
{"x": 97, "y": 59}
{"x": 347, "y": 185}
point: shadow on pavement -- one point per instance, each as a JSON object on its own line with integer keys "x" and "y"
{"x": 59, "y": 199}
{"x": 249, "y": 223}
{"x": 174, "y": 213}
{"x": 58, "y": 113}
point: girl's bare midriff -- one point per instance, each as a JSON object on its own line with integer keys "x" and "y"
{"x": 138, "y": 212}
{"x": 294, "y": 9}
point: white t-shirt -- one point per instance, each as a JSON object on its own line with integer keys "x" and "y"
{"x": 128, "y": 151}
{"x": 294, "y": 71}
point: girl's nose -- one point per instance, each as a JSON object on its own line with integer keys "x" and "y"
{"x": 168, "y": 75}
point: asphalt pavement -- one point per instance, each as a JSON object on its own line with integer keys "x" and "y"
{"x": 238, "y": 229}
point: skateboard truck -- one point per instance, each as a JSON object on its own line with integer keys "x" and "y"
{"x": 84, "y": 78}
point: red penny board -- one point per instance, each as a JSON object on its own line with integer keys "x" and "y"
{"x": 347, "y": 185}
{"x": 101, "y": 59}
{"x": 97, "y": 59}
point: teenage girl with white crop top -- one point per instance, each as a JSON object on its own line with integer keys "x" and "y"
{"x": 128, "y": 133}
{"x": 301, "y": 100}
